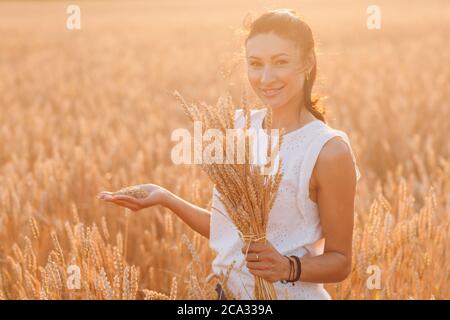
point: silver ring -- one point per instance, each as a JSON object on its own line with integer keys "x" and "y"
{"x": 257, "y": 257}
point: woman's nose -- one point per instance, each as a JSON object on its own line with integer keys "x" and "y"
{"x": 267, "y": 75}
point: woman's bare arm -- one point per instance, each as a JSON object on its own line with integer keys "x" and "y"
{"x": 335, "y": 177}
{"x": 195, "y": 217}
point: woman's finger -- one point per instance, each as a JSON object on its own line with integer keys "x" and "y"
{"x": 126, "y": 198}
{"x": 255, "y": 257}
{"x": 254, "y": 247}
{"x": 260, "y": 273}
{"x": 126, "y": 204}
{"x": 102, "y": 195}
{"x": 257, "y": 265}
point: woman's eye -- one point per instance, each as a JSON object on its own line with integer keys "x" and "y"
{"x": 257, "y": 64}
{"x": 281, "y": 62}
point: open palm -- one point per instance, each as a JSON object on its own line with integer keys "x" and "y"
{"x": 155, "y": 195}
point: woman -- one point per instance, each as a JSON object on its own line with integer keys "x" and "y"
{"x": 312, "y": 217}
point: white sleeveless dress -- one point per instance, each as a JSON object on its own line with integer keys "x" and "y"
{"x": 294, "y": 223}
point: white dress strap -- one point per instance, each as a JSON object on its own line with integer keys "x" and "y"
{"x": 310, "y": 158}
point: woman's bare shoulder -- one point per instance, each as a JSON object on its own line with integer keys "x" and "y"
{"x": 334, "y": 161}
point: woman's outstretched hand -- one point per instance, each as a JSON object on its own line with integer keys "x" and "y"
{"x": 156, "y": 195}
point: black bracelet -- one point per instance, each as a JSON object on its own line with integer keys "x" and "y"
{"x": 299, "y": 268}
{"x": 300, "y": 273}
{"x": 293, "y": 279}
{"x": 291, "y": 271}
{"x": 291, "y": 267}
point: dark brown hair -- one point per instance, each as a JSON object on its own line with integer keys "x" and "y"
{"x": 286, "y": 24}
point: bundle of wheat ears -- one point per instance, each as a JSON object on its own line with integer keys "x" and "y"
{"x": 247, "y": 194}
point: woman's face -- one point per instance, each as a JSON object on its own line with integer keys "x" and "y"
{"x": 275, "y": 70}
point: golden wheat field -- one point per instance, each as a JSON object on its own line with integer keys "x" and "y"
{"x": 92, "y": 109}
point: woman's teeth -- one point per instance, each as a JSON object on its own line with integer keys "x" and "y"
{"x": 271, "y": 92}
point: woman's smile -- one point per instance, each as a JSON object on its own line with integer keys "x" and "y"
{"x": 269, "y": 93}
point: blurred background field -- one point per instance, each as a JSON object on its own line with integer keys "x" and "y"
{"x": 88, "y": 110}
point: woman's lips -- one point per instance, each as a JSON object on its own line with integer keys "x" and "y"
{"x": 271, "y": 92}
